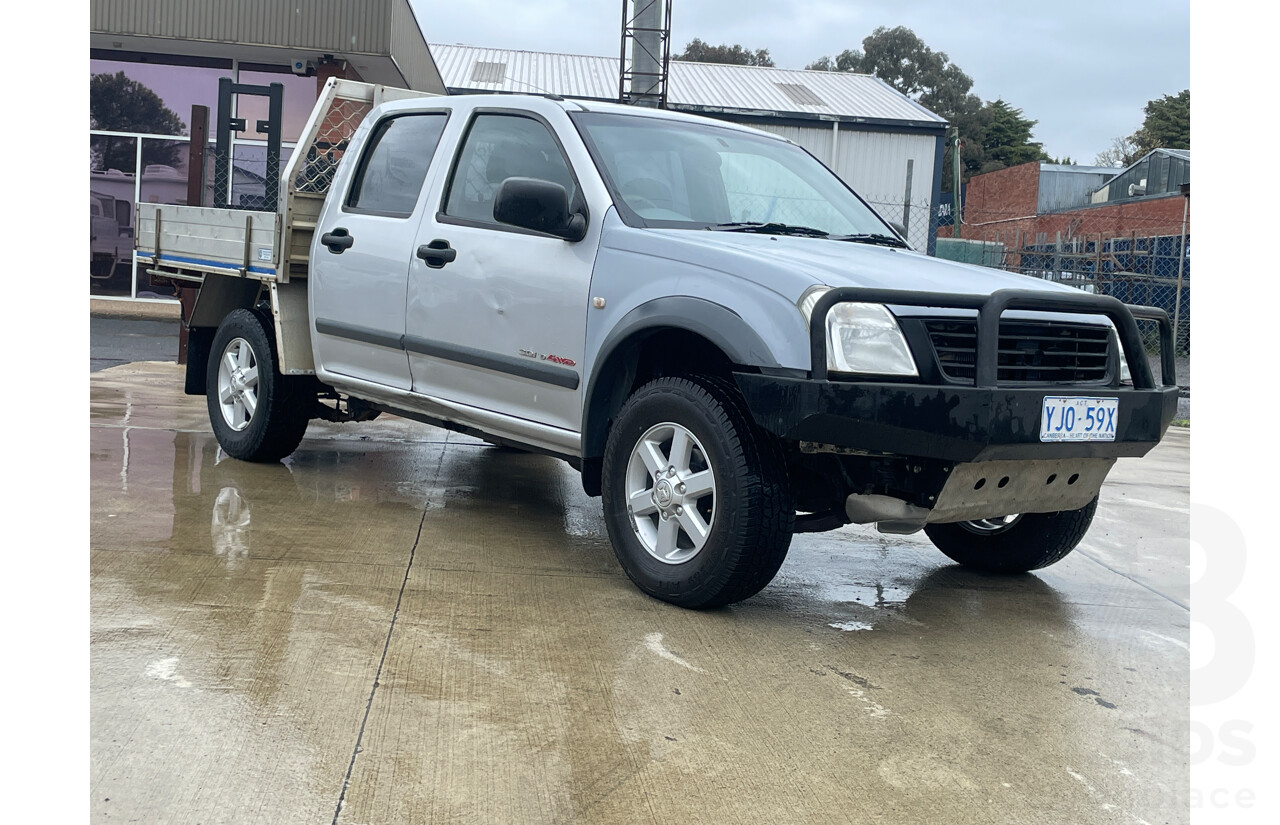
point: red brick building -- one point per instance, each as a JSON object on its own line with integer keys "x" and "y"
{"x": 1038, "y": 204}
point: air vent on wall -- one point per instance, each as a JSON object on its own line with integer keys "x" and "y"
{"x": 483, "y": 72}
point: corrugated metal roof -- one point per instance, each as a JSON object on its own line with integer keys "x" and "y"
{"x": 568, "y": 75}
{"x": 381, "y": 36}
{"x": 691, "y": 86}
{"x": 756, "y": 88}
{"x": 1077, "y": 169}
{"x": 1158, "y": 172}
{"x": 1065, "y": 187}
{"x": 1180, "y": 154}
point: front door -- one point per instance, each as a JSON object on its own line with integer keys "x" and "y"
{"x": 500, "y": 325}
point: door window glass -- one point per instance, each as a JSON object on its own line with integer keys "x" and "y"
{"x": 500, "y": 147}
{"x": 395, "y": 164}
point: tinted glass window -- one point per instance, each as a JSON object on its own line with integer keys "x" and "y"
{"x": 500, "y": 147}
{"x": 299, "y": 99}
{"x": 152, "y": 98}
{"x": 395, "y": 164}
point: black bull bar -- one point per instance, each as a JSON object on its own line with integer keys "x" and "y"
{"x": 991, "y": 307}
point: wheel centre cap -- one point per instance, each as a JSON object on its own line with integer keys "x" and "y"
{"x": 664, "y": 493}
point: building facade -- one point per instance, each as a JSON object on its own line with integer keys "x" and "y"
{"x": 151, "y": 61}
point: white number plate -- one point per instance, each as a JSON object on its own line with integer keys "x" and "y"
{"x": 1072, "y": 418}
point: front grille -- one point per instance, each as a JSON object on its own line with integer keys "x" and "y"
{"x": 1030, "y": 352}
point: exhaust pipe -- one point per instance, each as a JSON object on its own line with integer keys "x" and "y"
{"x": 890, "y": 515}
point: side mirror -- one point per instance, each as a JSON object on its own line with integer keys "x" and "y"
{"x": 899, "y": 228}
{"x": 540, "y": 205}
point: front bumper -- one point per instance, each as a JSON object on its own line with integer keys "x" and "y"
{"x": 960, "y": 423}
{"x": 951, "y": 423}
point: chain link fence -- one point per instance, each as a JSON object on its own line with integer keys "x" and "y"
{"x": 1148, "y": 263}
{"x": 330, "y": 143}
{"x": 240, "y": 173}
{"x": 913, "y": 216}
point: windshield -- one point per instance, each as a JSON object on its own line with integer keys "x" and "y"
{"x": 670, "y": 173}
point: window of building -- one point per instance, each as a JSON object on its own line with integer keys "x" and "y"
{"x": 150, "y": 98}
{"x": 112, "y": 163}
{"x": 299, "y": 99}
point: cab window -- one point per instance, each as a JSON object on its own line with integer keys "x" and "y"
{"x": 498, "y": 147}
{"x": 394, "y": 165}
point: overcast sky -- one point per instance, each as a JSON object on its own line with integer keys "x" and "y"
{"x": 1083, "y": 69}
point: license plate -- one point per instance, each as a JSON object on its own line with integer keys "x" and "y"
{"x": 1073, "y": 418}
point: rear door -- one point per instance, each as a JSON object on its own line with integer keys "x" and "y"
{"x": 364, "y": 243}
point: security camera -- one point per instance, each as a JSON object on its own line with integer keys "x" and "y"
{"x": 303, "y": 67}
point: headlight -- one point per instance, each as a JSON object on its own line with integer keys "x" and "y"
{"x": 861, "y": 338}
{"x": 866, "y": 338}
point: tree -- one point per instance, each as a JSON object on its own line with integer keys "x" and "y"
{"x": 120, "y": 104}
{"x": 900, "y": 58}
{"x": 1122, "y": 152}
{"x": 1007, "y": 139}
{"x": 699, "y": 52}
{"x": 1167, "y": 124}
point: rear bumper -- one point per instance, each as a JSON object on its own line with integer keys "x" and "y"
{"x": 951, "y": 423}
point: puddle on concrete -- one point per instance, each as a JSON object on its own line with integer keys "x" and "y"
{"x": 240, "y": 612}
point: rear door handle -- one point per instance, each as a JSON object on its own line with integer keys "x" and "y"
{"x": 337, "y": 240}
{"x": 437, "y": 253}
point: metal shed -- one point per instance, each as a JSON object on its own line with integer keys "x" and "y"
{"x": 1064, "y": 186}
{"x": 1159, "y": 172}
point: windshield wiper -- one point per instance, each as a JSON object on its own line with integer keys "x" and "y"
{"x": 769, "y": 229}
{"x": 872, "y": 238}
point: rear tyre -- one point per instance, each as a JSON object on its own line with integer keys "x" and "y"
{"x": 1014, "y": 544}
{"x": 696, "y": 498}
{"x": 257, "y": 414}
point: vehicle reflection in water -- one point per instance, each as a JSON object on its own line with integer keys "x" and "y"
{"x": 230, "y": 526}
{"x": 947, "y": 598}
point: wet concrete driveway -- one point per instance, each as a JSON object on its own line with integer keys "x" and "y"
{"x": 402, "y": 625}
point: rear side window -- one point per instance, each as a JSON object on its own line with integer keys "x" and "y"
{"x": 498, "y": 147}
{"x": 394, "y": 165}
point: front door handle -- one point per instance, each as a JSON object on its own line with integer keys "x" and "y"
{"x": 337, "y": 240}
{"x": 437, "y": 253}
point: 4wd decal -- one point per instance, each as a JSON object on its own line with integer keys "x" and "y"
{"x": 555, "y": 359}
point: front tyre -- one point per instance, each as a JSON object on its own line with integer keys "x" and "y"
{"x": 696, "y": 498}
{"x": 257, "y": 414}
{"x": 1013, "y": 544}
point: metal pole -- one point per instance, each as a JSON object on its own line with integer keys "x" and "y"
{"x": 195, "y": 197}
{"x": 222, "y": 148}
{"x": 1182, "y": 257}
{"x": 906, "y": 198}
{"x": 955, "y": 189}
